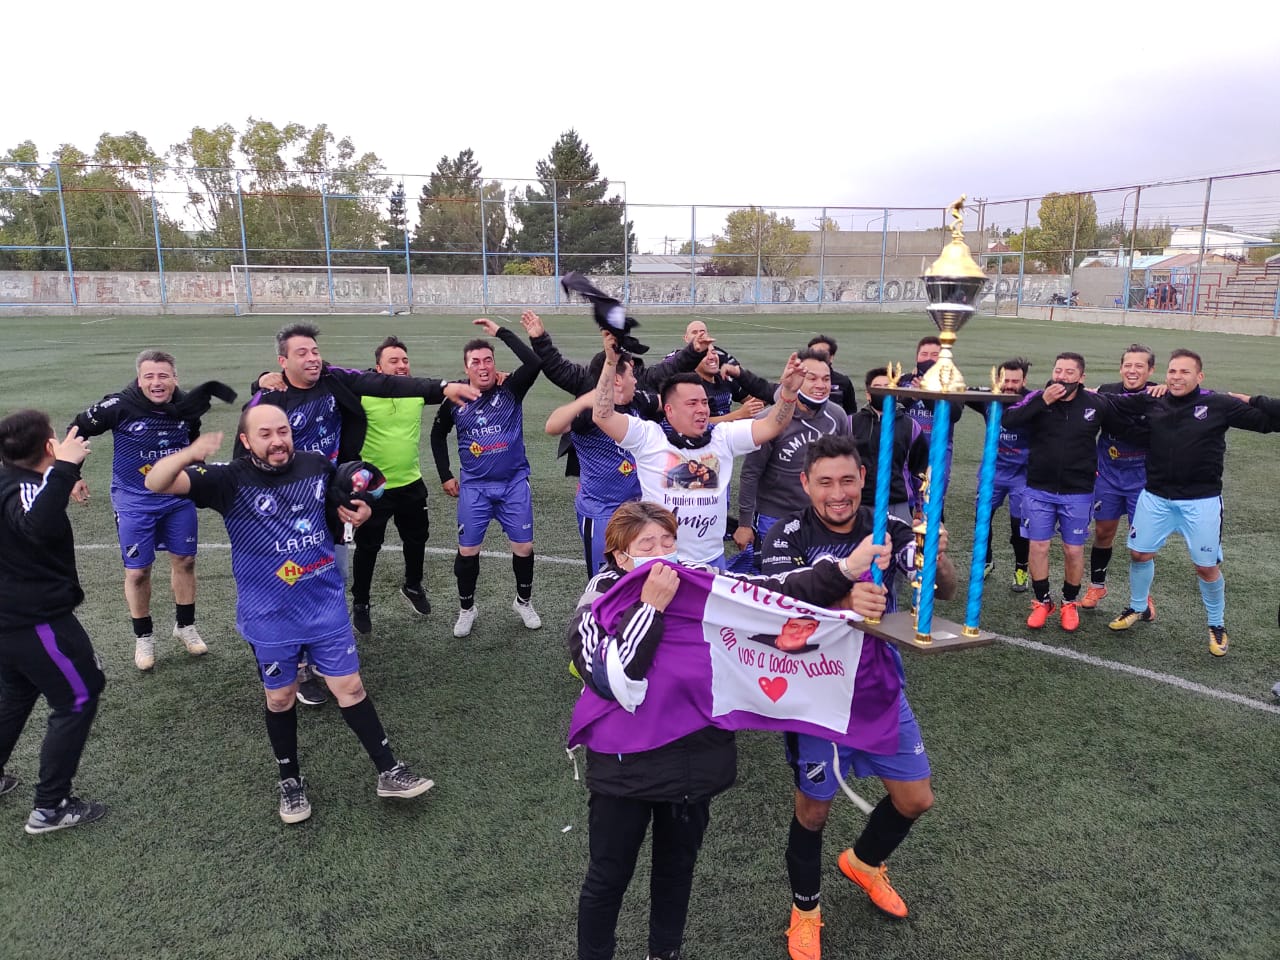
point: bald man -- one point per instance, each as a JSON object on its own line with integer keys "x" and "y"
{"x": 278, "y": 507}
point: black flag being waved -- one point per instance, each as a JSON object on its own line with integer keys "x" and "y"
{"x": 609, "y": 313}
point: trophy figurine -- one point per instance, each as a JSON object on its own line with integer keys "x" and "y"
{"x": 953, "y": 284}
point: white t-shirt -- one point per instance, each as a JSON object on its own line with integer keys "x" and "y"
{"x": 692, "y": 484}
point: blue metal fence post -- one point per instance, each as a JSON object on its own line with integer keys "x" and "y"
{"x": 1022, "y": 254}
{"x": 693, "y": 254}
{"x": 884, "y": 249}
{"x": 408, "y": 266}
{"x": 66, "y": 237}
{"x": 1204, "y": 229}
{"x": 626, "y": 267}
{"x": 555, "y": 240}
{"x": 1133, "y": 249}
{"x": 328, "y": 247}
{"x": 822, "y": 257}
{"x": 244, "y": 242}
{"x": 484, "y": 256}
{"x": 155, "y": 223}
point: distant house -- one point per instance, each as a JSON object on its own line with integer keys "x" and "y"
{"x": 666, "y": 264}
{"x": 1224, "y": 242}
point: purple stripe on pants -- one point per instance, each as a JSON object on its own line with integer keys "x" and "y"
{"x": 45, "y": 633}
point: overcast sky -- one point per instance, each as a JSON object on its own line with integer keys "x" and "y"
{"x": 717, "y": 103}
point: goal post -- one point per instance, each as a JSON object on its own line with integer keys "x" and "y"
{"x": 274, "y": 288}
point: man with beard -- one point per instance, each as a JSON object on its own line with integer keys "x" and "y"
{"x": 150, "y": 419}
{"x": 1011, "y": 474}
{"x": 910, "y": 450}
{"x": 494, "y": 468}
{"x": 700, "y": 513}
{"x": 835, "y": 524}
{"x": 1122, "y": 473}
{"x": 770, "y": 487}
{"x": 290, "y": 597}
{"x": 1183, "y": 491}
{"x": 323, "y": 406}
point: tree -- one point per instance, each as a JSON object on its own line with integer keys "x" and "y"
{"x": 1068, "y": 222}
{"x": 570, "y": 209}
{"x": 1148, "y": 238}
{"x": 756, "y": 238}
{"x": 454, "y": 225}
{"x": 1260, "y": 254}
{"x": 692, "y": 247}
{"x": 394, "y": 228}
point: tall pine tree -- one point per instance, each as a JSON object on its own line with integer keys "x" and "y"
{"x": 592, "y": 231}
{"x": 450, "y": 218}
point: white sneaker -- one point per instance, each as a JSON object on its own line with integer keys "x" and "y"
{"x": 191, "y": 639}
{"x": 527, "y": 613}
{"x": 144, "y": 652}
{"x": 462, "y": 626}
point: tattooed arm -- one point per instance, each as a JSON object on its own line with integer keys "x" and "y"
{"x": 602, "y": 412}
{"x": 774, "y": 420}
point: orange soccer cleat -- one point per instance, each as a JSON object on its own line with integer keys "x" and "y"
{"x": 875, "y": 882}
{"x": 1092, "y": 596}
{"x": 804, "y": 936}
{"x": 1039, "y": 613}
{"x": 1070, "y": 617}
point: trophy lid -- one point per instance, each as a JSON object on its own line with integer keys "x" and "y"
{"x": 956, "y": 259}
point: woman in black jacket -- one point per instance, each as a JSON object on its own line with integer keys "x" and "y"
{"x": 673, "y": 784}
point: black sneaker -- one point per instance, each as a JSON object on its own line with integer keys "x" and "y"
{"x": 311, "y": 692}
{"x": 294, "y": 805}
{"x": 402, "y": 782}
{"x": 417, "y": 598}
{"x": 7, "y": 783}
{"x": 360, "y": 619}
{"x": 71, "y": 812}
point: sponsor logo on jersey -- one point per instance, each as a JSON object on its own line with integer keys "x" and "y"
{"x": 626, "y": 468}
{"x": 291, "y": 571}
{"x": 475, "y": 448}
{"x": 792, "y": 527}
{"x": 146, "y": 468}
{"x": 302, "y": 525}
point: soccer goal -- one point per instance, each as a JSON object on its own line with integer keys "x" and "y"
{"x": 270, "y": 288}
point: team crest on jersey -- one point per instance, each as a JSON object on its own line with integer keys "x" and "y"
{"x": 265, "y": 504}
{"x": 137, "y": 426}
{"x": 1200, "y": 412}
{"x": 1090, "y": 413}
{"x": 816, "y": 772}
{"x": 319, "y": 490}
{"x": 298, "y": 420}
{"x": 626, "y": 468}
{"x": 475, "y": 448}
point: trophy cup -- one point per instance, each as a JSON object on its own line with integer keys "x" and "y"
{"x": 954, "y": 285}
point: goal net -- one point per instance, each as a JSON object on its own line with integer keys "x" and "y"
{"x": 267, "y": 288}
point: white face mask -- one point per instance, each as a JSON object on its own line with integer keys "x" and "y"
{"x": 641, "y": 561}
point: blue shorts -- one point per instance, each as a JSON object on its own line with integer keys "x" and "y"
{"x": 333, "y": 657}
{"x": 1199, "y": 522}
{"x": 810, "y": 758}
{"x": 511, "y": 503}
{"x": 1012, "y": 488}
{"x": 1068, "y": 512}
{"x": 1111, "y": 502}
{"x": 591, "y": 528}
{"x": 142, "y": 534}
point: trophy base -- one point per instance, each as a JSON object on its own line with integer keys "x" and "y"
{"x": 900, "y": 630}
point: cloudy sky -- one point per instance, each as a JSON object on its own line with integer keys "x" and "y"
{"x": 843, "y": 103}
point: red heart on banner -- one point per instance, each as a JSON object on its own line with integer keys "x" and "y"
{"x": 773, "y": 687}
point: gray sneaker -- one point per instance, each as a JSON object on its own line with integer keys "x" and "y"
{"x": 294, "y": 805}
{"x": 402, "y": 782}
{"x": 71, "y": 812}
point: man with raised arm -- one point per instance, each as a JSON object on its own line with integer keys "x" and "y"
{"x": 689, "y": 471}
{"x": 494, "y": 470}
{"x": 290, "y": 597}
{"x": 150, "y": 419}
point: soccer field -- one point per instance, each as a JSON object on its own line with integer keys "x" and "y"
{"x": 1084, "y": 809}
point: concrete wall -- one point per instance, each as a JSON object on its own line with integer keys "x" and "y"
{"x": 1159, "y": 319}
{"x": 50, "y": 292}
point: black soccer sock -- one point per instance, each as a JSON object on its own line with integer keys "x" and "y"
{"x": 362, "y": 718}
{"x": 804, "y": 865}
{"x": 1070, "y": 591}
{"x": 991, "y": 543}
{"x": 282, "y": 731}
{"x": 363, "y": 561}
{"x": 143, "y": 627}
{"x": 1041, "y": 589}
{"x": 523, "y": 568}
{"x": 1021, "y": 545}
{"x": 184, "y": 614}
{"x": 1099, "y": 560}
{"x": 467, "y": 572}
{"x": 886, "y": 829}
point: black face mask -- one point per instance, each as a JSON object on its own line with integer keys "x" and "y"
{"x": 922, "y": 366}
{"x": 1071, "y": 388}
{"x": 681, "y": 442}
{"x": 270, "y": 468}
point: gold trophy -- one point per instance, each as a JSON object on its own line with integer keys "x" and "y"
{"x": 954, "y": 284}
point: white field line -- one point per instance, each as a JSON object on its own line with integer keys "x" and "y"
{"x": 1165, "y": 678}
{"x": 1190, "y": 686}
{"x": 746, "y": 323}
